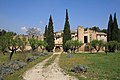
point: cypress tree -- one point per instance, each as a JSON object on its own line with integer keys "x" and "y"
{"x": 66, "y": 31}
{"x": 109, "y": 30}
{"x": 115, "y": 30}
{"x": 45, "y": 34}
{"x": 50, "y": 36}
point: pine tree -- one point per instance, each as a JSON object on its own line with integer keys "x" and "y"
{"x": 115, "y": 30}
{"x": 109, "y": 30}
{"x": 45, "y": 34}
{"x": 66, "y": 31}
{"x": 50, "y": 37}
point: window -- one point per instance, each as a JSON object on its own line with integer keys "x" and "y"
{"x": 85, "y": 39}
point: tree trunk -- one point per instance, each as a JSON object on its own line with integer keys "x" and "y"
{"x": 3, "y": 53}
{"x": 10, "y": 56}
{"x": 97, "y": 51}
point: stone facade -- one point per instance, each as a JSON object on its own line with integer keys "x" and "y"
{"x": 86, "y": 36}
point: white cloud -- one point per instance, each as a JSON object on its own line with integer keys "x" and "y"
{"x": 24, "y": 28}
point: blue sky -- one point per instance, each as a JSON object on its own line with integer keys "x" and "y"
{"x": 17, "y": 15}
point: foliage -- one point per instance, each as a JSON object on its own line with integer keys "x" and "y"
{"x": 42, "y": 44}
{"x": 11, "y": 67}
{"x": 2, "y": 32}
{"x": 73, "y": 45}
{"x": 119, "y": 34}
{"x": 66, "y": 31}
{"x": 4, "y": 44}
{"x": 4, "y": 40}
{"x": 97, "y": 44}
{"x": 45, "y": 34}
{"x": 118, "y": 46}
{"x": 95, "y": 29}
{"x": 112, "y": 46}
{"x": 10, "y": 42}
{"x": 23, "y": 43}
{"x": 14, "y": 44}
{"x": 104, "y": 30}
{"x": 115, "y": 29}
{"x": 109, "y": 30}
{"x": 34, "y": 57}
{"x": 112, "y": 34}
{"x": 112, "y": 31}
{"x": 33, "y": 43}
{"x": 79, "y": 68}
{"x": 50, "y": 38}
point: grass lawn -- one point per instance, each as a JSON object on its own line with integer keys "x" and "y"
{"x": 16, "y": 56}
{"x": 100, "y": 66}
{"x": 18, "y": 74}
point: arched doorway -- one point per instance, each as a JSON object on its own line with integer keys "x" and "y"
{"x": 57, "y": 49}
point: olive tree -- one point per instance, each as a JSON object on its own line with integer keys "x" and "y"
{"x": 96, "y": 44}
{"x": 23, "y": 43}
{"x": 4, "y": 39}
{"x": 42, "y": 44}
{"x": 13, "y": 45}
{"x": 33, "y": 43}
{"x": 3, "y": 44}
{"x": 73, "y": 45}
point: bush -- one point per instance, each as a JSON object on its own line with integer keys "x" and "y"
{"x": 9, "y": 68}
{"x": 79, "y": 68}
{"x": 30, "y": 59}
{"x": 45, "y": 53}
{"x": 118, "y": 46}
{"x": 112, "y": 46}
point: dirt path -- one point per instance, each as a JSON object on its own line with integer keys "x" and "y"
{"x": 52, "y": 72}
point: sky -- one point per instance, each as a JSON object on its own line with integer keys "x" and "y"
{"x": 18, "y": 15}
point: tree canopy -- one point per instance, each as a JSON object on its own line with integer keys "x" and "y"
{"x": 97, "y": 44}
{"x": 73, "y": 45}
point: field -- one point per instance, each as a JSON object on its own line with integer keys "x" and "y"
{"x": 16, "y": 56}
{"x": 17, "y": 75}
{"x": 100, "y": 66}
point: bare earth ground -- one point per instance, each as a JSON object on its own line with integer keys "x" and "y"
{"x": 52, "y": 72}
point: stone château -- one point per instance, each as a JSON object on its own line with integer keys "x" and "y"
{"x": 86, "y": 36}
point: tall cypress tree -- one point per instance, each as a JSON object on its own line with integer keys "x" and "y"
{"x": 115, "y": 30}
{"x": 109, "y": 30}
{"x": 45, "y": 34}
{"x": 50, "y": 36}
{"x": 66, "y": 31}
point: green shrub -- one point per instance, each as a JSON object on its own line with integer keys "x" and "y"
{"x": 112, "y": 46}
{"x": 79, "y": 68}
